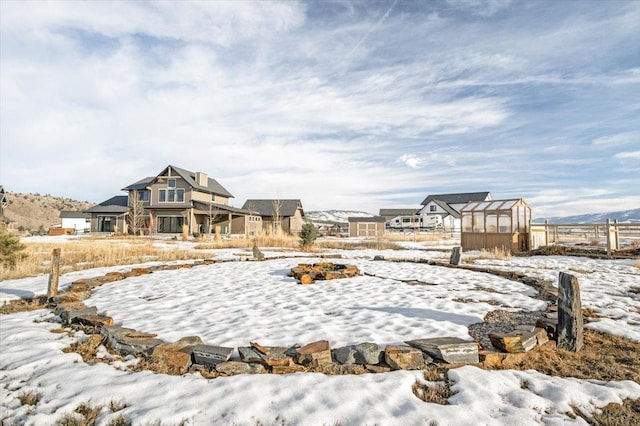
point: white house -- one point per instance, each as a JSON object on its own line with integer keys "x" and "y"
{"x": 79, "y": 221}
{"x": 448, "y": 207}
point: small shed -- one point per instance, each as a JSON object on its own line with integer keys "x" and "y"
{"x": 366, "y": 226}
{"x": 496, "y": 224}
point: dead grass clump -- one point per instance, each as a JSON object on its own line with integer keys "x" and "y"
{"x": 603, "y": 357}
{"x": 87, "y": 349}
{"x": 29, "y": 398}
{"x": 120, "y": 420}
{"x": 438, "y": 393}
{"x": 23, "y": 305}
{"x": 627, "y": 413}
{"x": 636, "y": 264}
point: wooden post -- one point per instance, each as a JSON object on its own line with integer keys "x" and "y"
{"x": 546, "y": 232}
{"x": 617, "y": 236}
{"x": 54, "y": 274}
{"x": 609, "y": 242}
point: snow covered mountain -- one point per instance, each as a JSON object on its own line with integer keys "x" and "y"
{"x": 629, "y": 216}
{"x": 333, "y": 216}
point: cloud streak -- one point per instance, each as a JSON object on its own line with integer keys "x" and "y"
{"x": 439, "y": 97}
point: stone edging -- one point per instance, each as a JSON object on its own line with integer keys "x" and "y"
{"x": 192, "y": 354}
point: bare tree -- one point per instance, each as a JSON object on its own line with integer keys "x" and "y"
{"x": 277, "y": 216}
{"x": 136, "y": 212}
{"x": 214, "y": 212}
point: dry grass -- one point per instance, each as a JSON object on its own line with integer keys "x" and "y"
{"x": 436, "y": 236}
{"x": 438, "y": 392}
{"x": 23, "y": 305}
{"x": 379, "y": 244}
{"x": 627, "y": 413}
{"x": 636, "y": 264}
{"x": 29, "y": 398}
{"x": 288, "y": 241}
{"x": 604, "y": 357}
{"x": 87, "y": 415}
{"x": 92, "y": 253}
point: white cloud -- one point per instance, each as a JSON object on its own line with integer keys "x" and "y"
{"x": 617, "y": 140}
{"x": 410, "y": 160}
{"x": 628, "y": 155}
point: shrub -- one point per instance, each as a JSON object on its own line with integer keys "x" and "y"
{"x": 308, "y": 235}
{"x": 10, "y": 248}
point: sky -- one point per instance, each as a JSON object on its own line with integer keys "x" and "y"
{"x": 356, "y": 105}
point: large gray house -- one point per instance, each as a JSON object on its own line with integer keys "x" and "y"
{"x": 173, "y": 198}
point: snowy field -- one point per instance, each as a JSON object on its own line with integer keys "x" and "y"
{"x": 233, "y": 303}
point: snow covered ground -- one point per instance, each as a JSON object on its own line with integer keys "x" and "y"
{"x": 233, "y": 303}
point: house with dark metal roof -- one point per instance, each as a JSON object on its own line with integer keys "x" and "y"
{"x": 448, "y": 206}
{"x": 287, "y": 215}
{"x": 389, "y": 214}
{"x": 171, "y": 200}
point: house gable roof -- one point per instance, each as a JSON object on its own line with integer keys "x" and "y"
{"x": 377, "y": 219}
{"x": 190, "y": 177}
{"x": 141, "y": 184}
{"x": 267, "y": 207}
{"x": 397, "y": 212}
{"x": 203, "y": 208}
{"x": 68, "y": 214}
{"x": 117, "y": 204}
{"x": 463, "y": 197}
{"x": 213, "y": 186}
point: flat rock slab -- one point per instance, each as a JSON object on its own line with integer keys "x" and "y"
{"x": 93, "y": 320}
{"x": 239, "y": 367}
{"x": 270, "y": 355}
{"x": 69, "y": 315}
{"x": 315, "y": 354}
{"x": 210, "y": 356}
{"x": 176, "y": 357}
{"x": 345, "y": 355}
{"x": 128, "y": 341}
{"x": 452, "y": 350}
{"x": 403, "y": 357}
{"x": 514, "y": 342}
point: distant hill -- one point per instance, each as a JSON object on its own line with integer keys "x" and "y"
{"x": 34, "y": 210}
{"x": 333, "y": 216}
{"x": 628, "y": 216}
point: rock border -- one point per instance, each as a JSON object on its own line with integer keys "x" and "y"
{"x": 191, "y": 354}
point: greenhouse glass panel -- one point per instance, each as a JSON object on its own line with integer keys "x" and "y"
{"x": 504, "y": 222}
{"x": 522, "y": 218}
{"x": 492, "y": 222}
{"x": 514, "y": 212}
{"x": 478, "y": 222}
{"x": 467, "y": 222}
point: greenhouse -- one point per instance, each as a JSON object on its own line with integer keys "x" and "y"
{"x": 496, "y": 224}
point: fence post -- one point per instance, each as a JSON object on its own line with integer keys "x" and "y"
{"x": 54, "y": 274}
{"x": 617, "y": 237}
{"x": 609, "y": 242}
{"x": 546, "y": 232}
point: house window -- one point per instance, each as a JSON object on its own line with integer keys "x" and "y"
{"x": 432, "y": 208}
{"x": 162, "y": 195}
{"x": 171, "y": 195}
{"x": 180, "y": 195}
{"x": 170, "y": 224}
{"x": 143, "y": 195}
{"x": 171, "y": 183}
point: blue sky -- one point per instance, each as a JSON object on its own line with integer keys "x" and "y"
{"x": 355, "y": 105}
